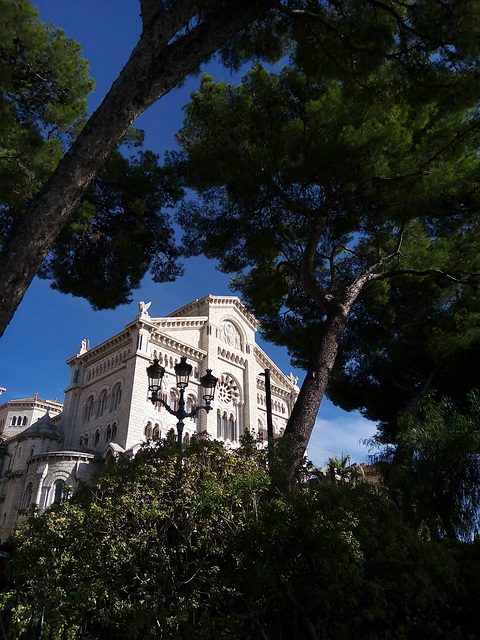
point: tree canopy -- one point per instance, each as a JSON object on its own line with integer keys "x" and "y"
{"x": 347, "y": 39}
{"x": 437, "y": 477}
{"x": 318, "y": 191}
{"x": 412, "y": 338}
{"x": 121, "y": 228}
{"x": 197, "y": 546}
{"x": 176, "y": 38}
{"x": 43, "y": 104}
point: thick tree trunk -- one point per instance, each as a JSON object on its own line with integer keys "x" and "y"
{"x": 302, "y": 419}
{"x": 158, "y": 64}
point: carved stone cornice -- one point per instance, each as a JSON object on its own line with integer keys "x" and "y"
{"x": 231, "y": 356}
{"x": 105, "y": 348}
{"x": 159, "y": 339}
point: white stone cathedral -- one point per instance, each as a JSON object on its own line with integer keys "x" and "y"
{"x": 107, "y": 410}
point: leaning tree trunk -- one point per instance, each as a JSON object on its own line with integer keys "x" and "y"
{"x": 339, "y": 304}
{"x": 166, "y": 53}
{"x": 302, "y": 419}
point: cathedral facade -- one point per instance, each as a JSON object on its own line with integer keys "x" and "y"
{"x": 107, "y": 411}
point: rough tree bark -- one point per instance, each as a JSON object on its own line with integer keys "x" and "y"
{"x": 168, "y": 50}
{"x": 338, "y": 305}
{"x": 304, "y": 414}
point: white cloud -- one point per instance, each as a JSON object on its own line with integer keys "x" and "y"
{"x": 340, "y": 435}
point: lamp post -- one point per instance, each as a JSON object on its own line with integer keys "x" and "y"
{"x": 183, "y": 370}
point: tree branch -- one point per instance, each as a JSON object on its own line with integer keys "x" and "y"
{"x": 156, "y": 65}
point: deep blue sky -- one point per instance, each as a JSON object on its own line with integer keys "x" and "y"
{"x": 48, "y": 327}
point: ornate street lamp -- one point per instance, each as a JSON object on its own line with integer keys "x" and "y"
{"x": 183, "y": 370}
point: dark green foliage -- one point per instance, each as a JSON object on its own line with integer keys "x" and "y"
{"x": 120, "y": 232}
{"x": 140, "y": 553}
{"x": 43, "y": 104}
{"x": 197, "y": 546}
{"x": 342, "y": 184}
{"x": 405, "y": 339}
{"x": 436, "y": 470}
{"x": 291, "y": 163}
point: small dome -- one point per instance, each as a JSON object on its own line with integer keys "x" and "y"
{"x": 44, "y": 427}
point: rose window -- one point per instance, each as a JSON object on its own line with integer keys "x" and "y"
{"x": 227, "y": 391}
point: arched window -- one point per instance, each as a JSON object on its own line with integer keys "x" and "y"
{"x": 190, "y": 404}
{"x": 102, "y": 404}
{"x": 27, "y": 496}
{"x": 114, "y": 430}
{"x": 261, "y": 431}
{"x": 58, "y": 492}
{"x": 116, "y": 397}
{"x": 173, "y": 400}
{"x": 14, "y": 421}
{"x": 25, "y": 421}
{"x": 231, "y": 428}
{"x": 108, "y": 435}
{"x": 156, "y": 432}
{"x": 88, "y": 410}
{"x": 85, "y": 440}
{"x": 224, "y": 425}
{"x": 97, "y": 438}
{"x": 32, "y": 451}
{"x": 81, "y": 441}
{"x": 186, "y": 440}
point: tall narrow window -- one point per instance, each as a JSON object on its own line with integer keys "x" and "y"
{"x": 27, "y": 496}
{"x": 88, "y": 410}
{"x": 231, "y": 428}
{"x": 102, "y": 404}
{"x": 173, "y": 400}
{"x": 58, "y": 495}
{"x": 116, "y": 397}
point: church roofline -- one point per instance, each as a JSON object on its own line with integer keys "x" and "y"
{"x": 275, "y": 372}
{"x": 171, "y": 321}
{"x": 68, "y": 455}
{"x": 103, "y": 348}
{"x": 220, "y": 301}
{"x": 31, "y": 403}
{"x": 179, "y": 322}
